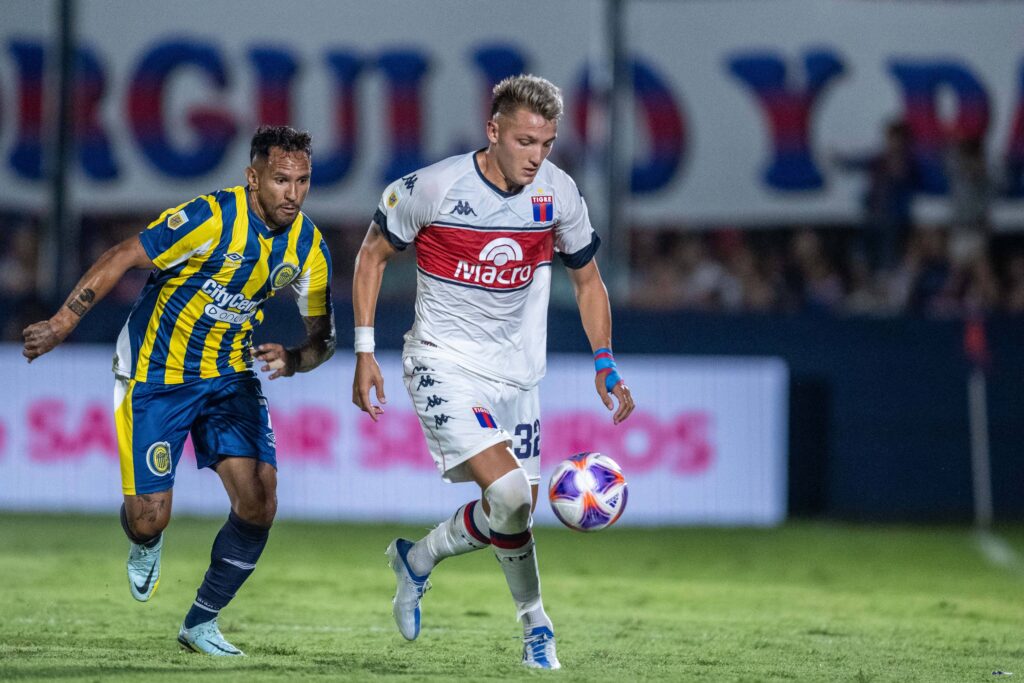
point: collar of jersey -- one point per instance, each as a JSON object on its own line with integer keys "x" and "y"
{"x": 491, "y": 185}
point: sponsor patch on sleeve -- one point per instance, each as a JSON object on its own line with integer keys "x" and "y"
{"x": 177, "y": 220}
{"x": 392, "y": 199}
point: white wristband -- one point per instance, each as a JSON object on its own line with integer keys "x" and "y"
{"x": 364, "y": 340}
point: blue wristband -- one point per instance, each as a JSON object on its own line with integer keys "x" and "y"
{"x": 604, "y": 363}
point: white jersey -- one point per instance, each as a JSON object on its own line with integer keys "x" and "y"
{"x": 484, "y": 262}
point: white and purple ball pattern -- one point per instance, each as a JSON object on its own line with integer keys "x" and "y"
{"x": 588, "y": 492}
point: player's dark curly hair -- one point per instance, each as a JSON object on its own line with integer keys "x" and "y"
{"x": 286, "y": 138}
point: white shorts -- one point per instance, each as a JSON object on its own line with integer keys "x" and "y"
{"x": 463, "y": 414}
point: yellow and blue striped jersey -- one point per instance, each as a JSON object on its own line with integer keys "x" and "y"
{"x": 217, "y": 263}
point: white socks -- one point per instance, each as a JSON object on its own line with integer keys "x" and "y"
{"x": 465, "y": 531}
{"x": 510, "y": 497}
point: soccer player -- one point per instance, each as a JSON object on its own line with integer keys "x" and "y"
{"x": 485, "y": 226}
{"x": 184, "y": 361}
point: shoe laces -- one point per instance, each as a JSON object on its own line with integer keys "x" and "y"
{"x": 208, "y": 629}
{"x": 420, "y": 588}
{"x": 538, "y": 644}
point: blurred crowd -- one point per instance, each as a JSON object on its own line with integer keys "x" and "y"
{"x": 825, "y": 270}
{"x": 884, "y": 265}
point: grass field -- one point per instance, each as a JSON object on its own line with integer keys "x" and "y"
{"x": 808, "y": 602}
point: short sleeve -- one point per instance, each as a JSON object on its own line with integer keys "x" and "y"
{"x": 313, "y": 286}
{"x": 405, "y": 207}
{"x": 181, "y": 232}
{"x": 575, "y": 238}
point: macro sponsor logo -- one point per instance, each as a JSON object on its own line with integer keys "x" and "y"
{"x": 223, "y": 300}
{"x": 500, "y": 252}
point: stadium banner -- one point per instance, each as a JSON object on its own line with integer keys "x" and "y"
{"x": 741, "y": 109}
{"x": 707, "y": 444}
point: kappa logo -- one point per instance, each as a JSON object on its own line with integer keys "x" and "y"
{"x": 177, "y": 220}
{"x": 462, "y": 208}
{"x": 440, "y": 420}
{"x": 435, "y": 401}
{"x": 284, "y": 274}
{"x": 410, "y": 182}
{"x": 427, "y": 381}
{"x": 158, "y": 458}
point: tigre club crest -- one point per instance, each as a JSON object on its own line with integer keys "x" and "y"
{"x": 283, "y": 275}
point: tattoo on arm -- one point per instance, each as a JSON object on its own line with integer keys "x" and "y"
{"x": 81, "y": 302}
{"x": 319, "y": 344}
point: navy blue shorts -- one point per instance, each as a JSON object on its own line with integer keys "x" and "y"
{"x": 227, "y": 416}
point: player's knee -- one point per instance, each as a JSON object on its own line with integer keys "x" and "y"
{"x": 510, "y": 500}
{"x": 257, "y": 506}
{"x": 146, "y": 516}
{"x": 147, "y": 528}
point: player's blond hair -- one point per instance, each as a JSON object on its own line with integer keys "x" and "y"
{"x": 536, "y": 94}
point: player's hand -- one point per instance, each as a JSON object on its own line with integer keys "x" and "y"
{"x": 275, "y": 358}
{"x": 621, "y": 392}
{"x": 368, "y": 375}
{"x": 41, "y": 337}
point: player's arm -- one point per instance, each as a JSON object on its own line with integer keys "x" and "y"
{"x": 596, "y": 314}
{"x": 316, "y": 349}
{"x": 97, "y": 282}
{"x": 371, "y": 260}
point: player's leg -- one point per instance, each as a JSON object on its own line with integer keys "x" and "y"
{"x": 445, "y": 398}
{"x": 235, "y": 419}
{"x": 465, "y": 531}
{"x": 151, "y": 423}
{"x": 144, "y": 518}
{"x": 252, "y": 487}
{"x": 510, "y": 498}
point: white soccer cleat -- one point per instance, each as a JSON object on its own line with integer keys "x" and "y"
{"x": 409, "y": 591}
{"x": 539, "y": 649}
{"x": 144, "y": 570}
{"x": 206, "y": 638}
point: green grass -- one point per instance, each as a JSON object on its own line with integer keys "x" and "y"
{"x": 807, "y": 602}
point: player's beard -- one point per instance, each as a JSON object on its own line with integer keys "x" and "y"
{"x": 283, "y": 218}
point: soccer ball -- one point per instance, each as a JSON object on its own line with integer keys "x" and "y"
{"x": 587, "y": 492}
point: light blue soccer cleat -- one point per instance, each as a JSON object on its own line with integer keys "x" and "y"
{"x": 539, "y": 649}
{"x": 144, "y": 570}
{"x": 410, "y": 589}
{"x": 206, "y": 639}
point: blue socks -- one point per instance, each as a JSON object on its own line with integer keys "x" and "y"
{"x": 232, "y": 559}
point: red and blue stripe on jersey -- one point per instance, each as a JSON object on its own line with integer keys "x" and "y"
{"x": 195, "y": 317}
{"x": 485, "y": 419}
{"x": 543, "y": 208}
